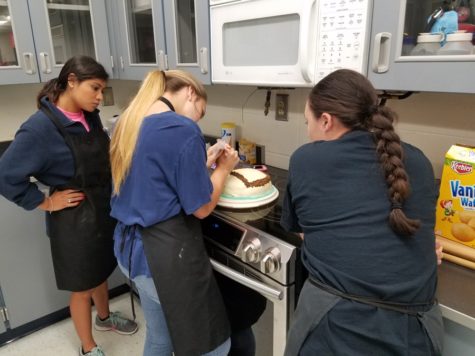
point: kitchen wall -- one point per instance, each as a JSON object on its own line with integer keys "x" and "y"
{"x": 430, "y": 121}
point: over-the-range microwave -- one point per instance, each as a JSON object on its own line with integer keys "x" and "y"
{"x": 287, "y": 43}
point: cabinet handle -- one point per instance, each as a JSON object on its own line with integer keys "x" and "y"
{"x": 4, "y": 314}
{"x": 304, "y": 44}
{"x": 162, "y": 60}
{"x": 45, "y": 63}
{"x": 112, "y": 62}
{"x": 381, "y": 51}
{"x": 121, "y": 60}
{"x": 204, "y": 60}
{"x": 29, "y": 64}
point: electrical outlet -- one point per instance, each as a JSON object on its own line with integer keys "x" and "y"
{"x": 107, "y": 97}
{"x": 281, "y": 107}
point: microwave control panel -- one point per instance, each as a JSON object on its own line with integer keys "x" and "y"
{"x": 343, "y": 35}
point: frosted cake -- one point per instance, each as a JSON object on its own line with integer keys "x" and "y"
{"x": 247, "y": 183}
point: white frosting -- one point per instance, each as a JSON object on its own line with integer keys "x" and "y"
{"x": 235, "y": 187}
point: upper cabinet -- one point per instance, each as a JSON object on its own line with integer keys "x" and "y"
{"x": 423, "y": 45}
{"x": 138, "y": 37}
{"x": 17, "y": 50}
{"x": 38, "y": 36}
{"x": 151, "y": 34}
{"x": 187, "y": 33}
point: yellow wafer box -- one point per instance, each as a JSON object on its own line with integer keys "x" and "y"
{"x": 455, "y": 212}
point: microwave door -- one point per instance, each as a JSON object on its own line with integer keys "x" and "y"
{"x": 263, "y": 42}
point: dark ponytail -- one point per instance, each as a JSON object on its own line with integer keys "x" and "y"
{"x": 52, "y": 89}
{"x": 351, "y": 97}
{"x": 83, "y": 67}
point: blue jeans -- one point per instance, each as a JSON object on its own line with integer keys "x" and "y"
{"x": 157, "y": 337}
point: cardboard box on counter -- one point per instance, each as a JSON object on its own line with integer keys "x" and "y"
{"x": 455, "y": 212}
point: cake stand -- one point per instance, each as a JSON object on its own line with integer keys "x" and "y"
{"x": 248, "y": 202}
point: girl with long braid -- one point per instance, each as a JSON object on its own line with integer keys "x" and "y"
{"x": 364, "y": 203}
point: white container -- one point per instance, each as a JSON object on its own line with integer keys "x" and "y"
{"x": 228, "y": 133}
{"x": 457, "y": 43}
{"x": 428, "y": 44}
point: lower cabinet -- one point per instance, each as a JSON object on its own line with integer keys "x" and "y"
{"x": 26, "y": 269}
{"x": 27, "y": 283}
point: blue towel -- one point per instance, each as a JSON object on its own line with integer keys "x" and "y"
{"x": 447, "y": 23}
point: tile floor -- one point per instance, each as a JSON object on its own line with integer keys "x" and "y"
{"x": 60, "y": 339}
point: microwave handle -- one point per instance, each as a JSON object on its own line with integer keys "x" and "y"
{"x": 246, "y": 281}
{"x": 381, "y": 50}
{"x": 304, "y": 41}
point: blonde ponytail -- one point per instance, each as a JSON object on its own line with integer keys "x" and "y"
{"x": 126, "y": 132}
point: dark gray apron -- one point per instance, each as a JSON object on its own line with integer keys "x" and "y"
{"x": 81, "y": 237}
{"x": 188, "y": 292}
{"x": 317, "y": 299}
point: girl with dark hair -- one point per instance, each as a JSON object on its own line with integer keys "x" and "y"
{"x": 364, "y": 203}
{"x": 63, "y": 145}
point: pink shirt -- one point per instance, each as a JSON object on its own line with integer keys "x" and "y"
{"x": 76, "y": 116}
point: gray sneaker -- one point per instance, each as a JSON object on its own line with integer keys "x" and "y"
{"x": 97, "y": 351}
{"x": 116, "y": 322}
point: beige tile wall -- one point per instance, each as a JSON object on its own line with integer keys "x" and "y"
{"x": 430, "y": 121}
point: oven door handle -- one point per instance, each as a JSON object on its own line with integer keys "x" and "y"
{"x": 248, "y": 282}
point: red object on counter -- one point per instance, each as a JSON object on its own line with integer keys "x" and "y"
{"x": 260, "y": 167}
{"x": 467, "y": 27}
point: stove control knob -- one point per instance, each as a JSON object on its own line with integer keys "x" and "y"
{"x": 270, "y": 263}
{"x": 251, "y": 251}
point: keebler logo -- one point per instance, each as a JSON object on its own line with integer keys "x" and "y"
{"x": 461, "y": 167}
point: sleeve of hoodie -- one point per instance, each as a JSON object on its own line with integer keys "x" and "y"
{"x": 25, "y": 157}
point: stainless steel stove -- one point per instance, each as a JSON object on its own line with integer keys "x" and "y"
{"x": 250, "y": 247}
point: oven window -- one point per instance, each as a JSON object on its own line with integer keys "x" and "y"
{"x": 262, "y": 42}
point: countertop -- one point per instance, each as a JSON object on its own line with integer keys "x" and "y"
{"x": 456, "y": 293}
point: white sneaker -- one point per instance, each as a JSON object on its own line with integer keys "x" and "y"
{"x": 97, "y": 351}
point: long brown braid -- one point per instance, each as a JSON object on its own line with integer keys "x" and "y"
{"x": 388, "y": 147}
{"x": 351, "y": 98}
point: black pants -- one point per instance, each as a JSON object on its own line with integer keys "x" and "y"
{"x": 243, "y": 343}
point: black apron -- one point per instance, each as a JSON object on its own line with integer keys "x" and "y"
{"x": 182, "y": 273}
{"x": 317, "y": 299}
{"x": 81, "y": 237}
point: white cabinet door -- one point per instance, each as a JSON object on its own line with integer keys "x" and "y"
{"x": 64, "y": 28}
{"x": 155, "y": 34}
{"x": 187, "y": 33}
{"x": 139, "y": 37}
{"x": 395, "y": 28}
{"x": 17, "y": 50}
